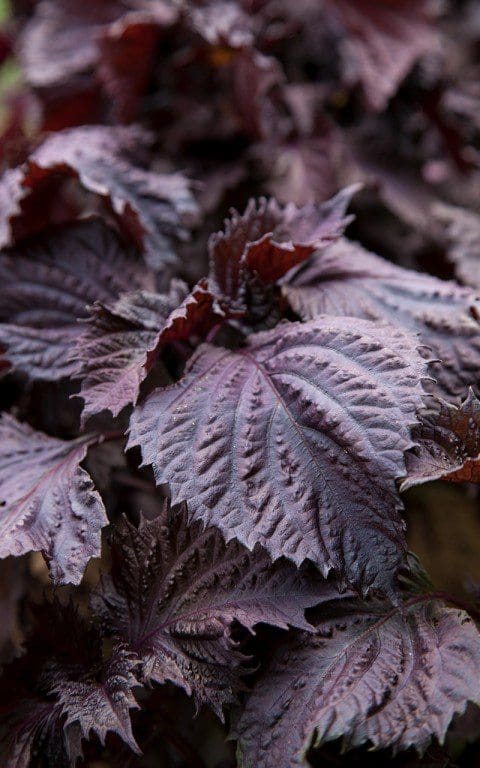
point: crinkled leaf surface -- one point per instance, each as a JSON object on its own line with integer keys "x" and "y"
{"x": 381, "y": 42}
{"x": 46, "y": 287}
{"x": 100, "y": 707}
{"x": 113, "y": 350}
{"x": 348, "y": 280}
{"x": 63, "y": 691}
{"x": 122, "y": 339}
{"x": 153, "y": 208}
{"x": 175, "y": 592}
{"x": 47, "y": 501}
{"x": 294, "y": 442}
{"x": 268, "y": 239}
{"x": 391, "y": 677}
{"x": 448, "y": 444}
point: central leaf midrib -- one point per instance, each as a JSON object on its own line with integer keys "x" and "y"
{"x": 299, "y": 432}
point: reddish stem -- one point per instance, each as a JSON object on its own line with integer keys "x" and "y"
{"x": 213, "y": 332}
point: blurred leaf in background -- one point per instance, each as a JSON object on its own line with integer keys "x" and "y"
{"x": 18, "y": 107}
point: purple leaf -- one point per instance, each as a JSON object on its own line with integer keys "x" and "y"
{"x": 255, "y": 79}
{"x": 285, "y": 441}
{"x": 29, "y": 205}
{"x": 448, "y": 444}
{"x": 380, "y": 42}
{"x": 152, "y": 208}
{"x": 463, "y": 236}
{"x": 303, "y": 169}
{"x": 348, "y": 280}
{"x": 63, "y": 691}
{"x": 126, "y": 54}
{"x": 195, "y": 316}
{"x": 100, "y": 707}
{"x": 112, "y": 352}
{"x": 46, "y": 287}
{"x": 122, "y": 340}
{"x": 175, "y": 592}
{"x": 60, "y": 40}
{"x": 307, "y": 163}
{"x": 47, "y": 501}
{"x": 267, "y": 240}
{"x": 61, "y": 44}
{"x": 390, "y": 677}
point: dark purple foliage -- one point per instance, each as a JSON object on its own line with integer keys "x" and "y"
{"x": 380, "y": 41}
{"x": 151, "y": 208}
{"x": 448, "y": 444}
{"x": 463, "y": 236}
{"x": 77, "y": 691}
{"x": 370, "y": 673}
{"x": 46, "y": 288}
{"x": 266, "y": 442}
{"x": 268, "y": 240}
{"x": 113, "y": 349}
{"x": 348, "y": 280}
{"x": 206, "y": 430}
{"x": 175, "y": 593}
{"x": 52, "y": 504}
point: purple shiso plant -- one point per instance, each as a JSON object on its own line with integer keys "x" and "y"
{"x": 239, "y": 320}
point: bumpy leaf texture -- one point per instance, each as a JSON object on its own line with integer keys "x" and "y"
{"x": 64, "y": 691}
{"x": 267, "y": 240}
{"x": 113, "y": 350}
{"x": 46, "y": 287}
{"x": 175, "y": 592}
{"x": 267, "y": 442}
{"x": 390, "y": 677}
{"x": 50, "y": 504}
{"x": 463, "y": 235}
{"x": 122, "y": 340}
{"x": 448, "y": 444}
{"x": 100, "y": 707}
{"x": 380, "y": 41}
{"x": 348, "y": 280}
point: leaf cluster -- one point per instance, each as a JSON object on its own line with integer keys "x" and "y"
{"x": 208, "y": 428}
